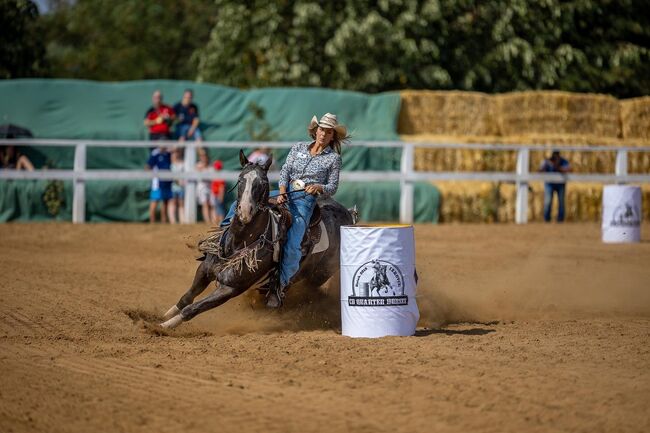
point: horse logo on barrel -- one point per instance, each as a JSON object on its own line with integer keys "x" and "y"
{"x": 626, "y": 215}
{"x": 377, "y": 283}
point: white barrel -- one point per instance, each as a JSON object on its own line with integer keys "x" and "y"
{"x": 378, "y": 281}
{"x": 621, "y": 213}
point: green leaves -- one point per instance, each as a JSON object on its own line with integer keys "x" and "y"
{"x": 22, "y": 52}
{"x": 365, "y": 45}
{"x": 127, "y": 39}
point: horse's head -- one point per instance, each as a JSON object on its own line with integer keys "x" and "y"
{"x": 253, "y": 188}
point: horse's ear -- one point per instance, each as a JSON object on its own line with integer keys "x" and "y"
{"x": 242, "y": 158}
{"x": 268, "y": 163}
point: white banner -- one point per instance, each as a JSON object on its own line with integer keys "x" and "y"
{"x": 621, "y": 213}
{"x": 378, "y": 281}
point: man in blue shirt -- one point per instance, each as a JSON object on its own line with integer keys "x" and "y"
{"x": 554, "y": 164}
{"x": 161, "y": 190}
{"x": 187, "y": 114}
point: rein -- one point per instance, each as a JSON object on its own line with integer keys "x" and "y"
{"x": 248, "y": 253}
{"x": 284, "y": 193}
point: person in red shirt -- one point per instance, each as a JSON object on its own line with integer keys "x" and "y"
{"x": 159, "y": 118}
{"x": 217, "y": 193}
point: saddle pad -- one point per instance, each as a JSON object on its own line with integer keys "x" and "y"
{"x": 324, "y": 242}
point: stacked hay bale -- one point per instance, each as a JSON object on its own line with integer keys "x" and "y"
{"x": 635, "y": 118}
{"x": 447, "y": 113}
{"x": 427, "y": 159}
{"x": 551, "y": 112}
{"x": 555, "y": 119}
{"x": 476, "y": 202}
{"x": 635, "y": 121}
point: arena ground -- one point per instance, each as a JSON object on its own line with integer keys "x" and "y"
{"x": 524, "y": 328}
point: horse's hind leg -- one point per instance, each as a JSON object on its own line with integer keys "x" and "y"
{"x": 213, "y": 300}
{"x": 202, "y": 279}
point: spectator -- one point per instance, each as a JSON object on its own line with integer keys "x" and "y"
{"x": 12, "y": 159}
{"x": 159, "y": 118}
{"x": 554, "y": 164}
{"x": 203, "y": 187}
{"x": 187, "y": 114}
{"x": 217, "y": 194}
{"x": 177, "y": 202}
{"x": 260, "y": 155}
{"x": 161, "y": 190}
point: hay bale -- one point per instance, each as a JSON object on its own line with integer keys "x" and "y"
{"x": 428, "y": 159}
{"x": 481, "y": 202}
{"x": 452, "y": 113}
{"x": 554, "y": 112}
{"x": 635, "y": 117}
{"x": 638, "y": 162}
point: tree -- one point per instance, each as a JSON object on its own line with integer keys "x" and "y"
{"x": 22, "y": 51}
{"x": 127, "y": 39}
{"x": 377, "y": 45}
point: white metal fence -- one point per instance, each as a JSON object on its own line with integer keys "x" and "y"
{"x": 406, "y": 175}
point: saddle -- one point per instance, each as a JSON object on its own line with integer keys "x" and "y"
{"x": 313, "y": 241}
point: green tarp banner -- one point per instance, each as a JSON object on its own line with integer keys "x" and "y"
{"x": 115, "y": 111}
{"x": 129, "y": 201}
{"x": 78, "y": 109}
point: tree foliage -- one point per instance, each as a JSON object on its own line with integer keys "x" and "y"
{"x": 375, "y": 45}
{"x": 22, "y": 51}
{"x": 127, "y": 39}
{"x": 367, "y": 45}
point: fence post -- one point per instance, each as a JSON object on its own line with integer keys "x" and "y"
{"x": 621, "y": 164}
{"x": 79, "y": 186}
{"x": 521, "y": 205}
{"x": 406, "y": 185}
{"x": 190, "y": 184}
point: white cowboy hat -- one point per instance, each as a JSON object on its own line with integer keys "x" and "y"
{"x": 329, "y": 121}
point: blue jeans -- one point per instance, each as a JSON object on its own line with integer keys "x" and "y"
{"x": 182, "y": 129}
{"x": 549, "y": 189}
{"x": 301, "y": 206}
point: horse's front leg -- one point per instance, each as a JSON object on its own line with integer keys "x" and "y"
{"x": 202, "y": 279}
{"x": 220, "y": 295}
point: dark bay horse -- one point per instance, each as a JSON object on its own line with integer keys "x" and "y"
{"x": 243, "y": 257}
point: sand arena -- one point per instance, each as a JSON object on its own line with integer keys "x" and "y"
{"x": 524, "y": 328}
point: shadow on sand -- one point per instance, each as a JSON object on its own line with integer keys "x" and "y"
{"x": 471, "y": 332}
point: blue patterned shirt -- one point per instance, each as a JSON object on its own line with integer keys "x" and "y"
{"x": 322, "y": 169}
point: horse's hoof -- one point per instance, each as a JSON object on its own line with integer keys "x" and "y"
{"x": 273, "y": 301}
{"x": 173, "y": 311}
{"x": 173, "y": 322}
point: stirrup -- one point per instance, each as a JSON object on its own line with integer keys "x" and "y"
{"x": 276, "y": 288}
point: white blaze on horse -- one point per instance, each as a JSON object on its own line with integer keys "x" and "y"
{"x": 246, "y": 254}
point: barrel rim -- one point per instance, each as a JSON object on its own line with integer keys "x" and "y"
{"x": 377, "y": 226}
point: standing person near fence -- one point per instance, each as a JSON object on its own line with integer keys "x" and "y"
{"x": 187, "y": 114}
{"x": 554, "y": 164}
{"x": 177, "y": 202}
{"x": 203, "y": 186}
{"x": 159, "y": 118}
{"x": 161, "y": 190}
{"x": 217, "y": 194}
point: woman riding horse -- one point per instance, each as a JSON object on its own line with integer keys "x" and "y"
{"x": 311, "y": 169}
